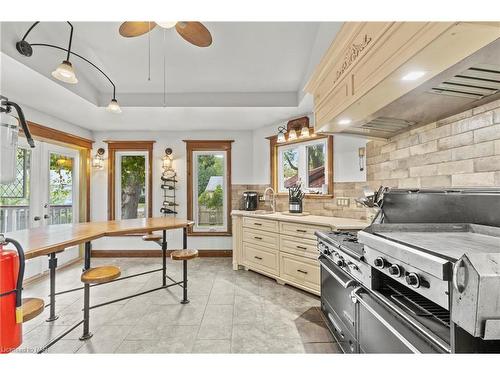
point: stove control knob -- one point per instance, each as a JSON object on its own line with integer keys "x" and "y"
{"x": 339, "y": 262}
{"x": 395, "y": 270}
{"x": 413, "y": 280}
{"x": 380, "y": 262}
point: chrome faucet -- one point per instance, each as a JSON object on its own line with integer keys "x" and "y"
{"x": 273, "y": 198}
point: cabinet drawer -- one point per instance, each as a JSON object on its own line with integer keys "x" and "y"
{"x": 300, "y": 270}
{"x": 305, "y": 247}
{"x": 263, "y": 224}
{"x": 261, "y": 258}
{"x": 260, "y": 237}
{"x": 301, "y": 230}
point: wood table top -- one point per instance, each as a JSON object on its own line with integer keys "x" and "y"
{"x": 54, "y": 238}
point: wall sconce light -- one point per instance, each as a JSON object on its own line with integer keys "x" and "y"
{"x": 304, "y": 132}
{"x": 281, "y": 134}
{"x": 98, "y": 160}
{"x": 167, "y": 159}
{"x": 361, "y": 154}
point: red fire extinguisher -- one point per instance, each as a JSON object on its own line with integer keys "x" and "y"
{"x": 11, "y": 284}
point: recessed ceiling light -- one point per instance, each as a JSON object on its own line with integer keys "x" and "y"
{"x": 344, "y": 121}
{"x": 412, "y": 76}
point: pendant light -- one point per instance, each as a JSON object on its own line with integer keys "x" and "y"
{"x": 65, "y": 72}
{"x": 281, "y": 135}
{"x": 113, "y": 106}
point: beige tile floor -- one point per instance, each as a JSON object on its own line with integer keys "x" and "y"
{"x": 230, "y": 312}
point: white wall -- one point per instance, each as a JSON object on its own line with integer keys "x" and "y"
{"x": 241, "y": 174}
{"x": 346, "y": 159}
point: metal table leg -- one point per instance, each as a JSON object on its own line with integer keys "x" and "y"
{"x": 52, "y": 271}
{"x": 86, "y": 296}
{"x": 164, "y": 255}
{"x": 184, "y": 269}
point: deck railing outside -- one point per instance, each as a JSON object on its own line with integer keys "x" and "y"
{"x": 18, "y": 217}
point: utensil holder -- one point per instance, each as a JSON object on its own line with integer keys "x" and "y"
{"x": 295, "y": 205}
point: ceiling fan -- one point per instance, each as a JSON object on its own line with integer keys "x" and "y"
{"x": 194, "y": 32}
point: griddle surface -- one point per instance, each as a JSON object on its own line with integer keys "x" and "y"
{"x": 450, "y": 244}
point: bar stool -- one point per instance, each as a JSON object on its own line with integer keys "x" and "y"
{"x": 158, "y": 238}
{"x": 96, "y": 275}
{"x": 32, "y": 307}
{"x": 184, "y": 255}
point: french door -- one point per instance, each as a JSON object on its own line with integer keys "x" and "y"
{"x": 45, "y": 192}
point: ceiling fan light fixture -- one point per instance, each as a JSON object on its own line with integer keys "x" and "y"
{"x": 65, "y": 73}
{"x": 166, "y": 24}
{"x": 114, "y": 107}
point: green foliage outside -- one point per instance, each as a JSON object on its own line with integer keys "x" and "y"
{"x": 61, "y": 179}
{"x": 208, "y": 166}
{"x": 133, "y": 182}
{"x": 316, "y": 156}
{"x": 290, "y": 163}
{"x": 212, "y": 200}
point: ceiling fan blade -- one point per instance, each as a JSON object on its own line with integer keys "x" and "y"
{"x": 194, "y": 32}
{"x": 130, "y": 29}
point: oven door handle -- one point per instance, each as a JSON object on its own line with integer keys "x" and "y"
{"x": 345, "y": 283}
{"x": 387, "y": 325}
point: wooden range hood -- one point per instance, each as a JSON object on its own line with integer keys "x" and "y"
{"x": 359, "y": 86}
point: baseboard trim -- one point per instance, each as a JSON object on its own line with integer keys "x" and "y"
{"x": 32, "y": 279}
{"x": 155, "y": 253}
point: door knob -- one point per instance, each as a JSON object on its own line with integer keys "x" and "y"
{"x": 46, "y": 216}
{"x": 36, "y": 218}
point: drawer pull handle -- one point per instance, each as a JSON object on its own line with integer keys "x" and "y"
{"x": 256, "y": 257}
{"x": 257, "y": 224}
{"x": 257, "y": 238}
{"x": 301, "y": 247}
{"x": 301, "y": 230}
{"x": 304, "y": 272}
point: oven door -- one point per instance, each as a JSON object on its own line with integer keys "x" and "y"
{"x": 336, "y": 303}
{"x": 382, "y": 329}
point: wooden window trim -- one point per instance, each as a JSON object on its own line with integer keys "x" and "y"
{"x": 84, "y": 145}
{"x": 207, "y": 145}
{"x": 273, "y": 144}
{"x": 113, "y": 147}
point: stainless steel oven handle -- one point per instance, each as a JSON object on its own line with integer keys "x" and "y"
{"x": 345, "y": 284}
{"x": 335, "y": 325}
{"x": 386, "y": 323}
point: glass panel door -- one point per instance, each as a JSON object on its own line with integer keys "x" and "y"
{"x": 16, "y": 198}
{"x": 62, "y": 191}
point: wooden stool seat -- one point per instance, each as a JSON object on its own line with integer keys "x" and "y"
{"x": 152, "y": 237}
{"x": 101, "y": 274}
{"x": 184, "y": 254}
{"x": 32, "y": 307}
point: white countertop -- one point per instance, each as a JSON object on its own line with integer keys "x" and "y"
{"x": 336, "y": 223}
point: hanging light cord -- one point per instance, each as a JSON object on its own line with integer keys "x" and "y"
{"x": 149, "y": 53}
{"x": 164, "y": 68}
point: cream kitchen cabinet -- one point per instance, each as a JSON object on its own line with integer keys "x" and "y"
{"x": 283, "y": 247}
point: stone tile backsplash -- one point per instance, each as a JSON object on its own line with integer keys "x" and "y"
{"x": 459, "y": 151}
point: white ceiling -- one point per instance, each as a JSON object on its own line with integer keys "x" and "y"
{"x": 245, "y": 60}
{"x": 251, "y": 76}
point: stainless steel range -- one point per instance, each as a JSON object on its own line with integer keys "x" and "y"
{"x": 423, "y": 278}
